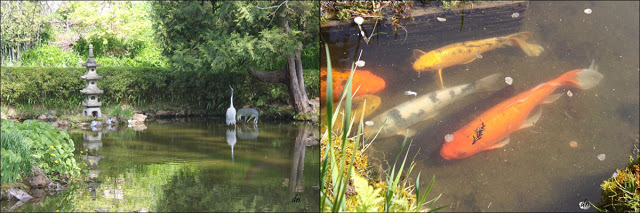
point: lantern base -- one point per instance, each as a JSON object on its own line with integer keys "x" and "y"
{"x": 92, "y": 111}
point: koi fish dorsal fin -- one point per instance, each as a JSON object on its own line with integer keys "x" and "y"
{"x": 500, "y": 144}
{"x": 417, "y": 53}
{"x": 531, "y": 120}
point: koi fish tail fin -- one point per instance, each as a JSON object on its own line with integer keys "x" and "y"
{"x": 582, "y": 78}
{"x": 519, "y": 39}
{"x": 489, "y": 83}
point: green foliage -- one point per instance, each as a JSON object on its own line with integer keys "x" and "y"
{"x": 38, "y": 143}
{"x": 24, "y": 25}
{"x": 59, "y": 88}
{"x": 50, "y": 56}
{"x": 622, "y": 192}
{"x": 16, "y": 154}
{"x": 53, "y": 148}
{"x": 231, "y": 36}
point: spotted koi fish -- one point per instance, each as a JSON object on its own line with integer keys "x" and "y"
{"x": 425, "y": 107}
{"x": 497, "y": 123}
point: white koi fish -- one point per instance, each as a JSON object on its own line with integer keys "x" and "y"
{"x": 401, "y": 117}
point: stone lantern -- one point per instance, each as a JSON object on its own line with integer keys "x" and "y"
{"x": 91, "y": 91}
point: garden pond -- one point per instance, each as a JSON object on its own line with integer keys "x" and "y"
{"x": 539, "y": 170}
{"x": 191, "y": 164}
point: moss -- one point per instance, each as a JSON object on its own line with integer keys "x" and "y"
{"x": 622, "y": 192}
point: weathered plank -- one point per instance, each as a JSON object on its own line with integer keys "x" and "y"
{"x": 480, "y": 20}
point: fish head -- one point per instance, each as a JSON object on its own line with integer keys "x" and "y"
{"x": 427, "y": 62}
{"x": 460, "y": 147}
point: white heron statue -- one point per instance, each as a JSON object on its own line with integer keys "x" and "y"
{"x": 231, "y": 112}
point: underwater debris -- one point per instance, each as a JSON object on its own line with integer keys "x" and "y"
{"x": 360, "y": 63}
{"x": 587, "y": 11}
{"x": 441, "y": 19}
{"x": 569, "y": 93}
{"x": 573, "y": 144}
{"x": 601, "y": 157}
{"x": 515, "y": 15}
{"x": 508, "y": 80}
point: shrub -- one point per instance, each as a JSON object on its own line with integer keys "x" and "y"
{"x": 50, "y": 56}
{"x": 52, "y": 148}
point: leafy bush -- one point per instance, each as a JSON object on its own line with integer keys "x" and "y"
{"x": 49, "y": 56}
{"x": 16, "y": 154}
{"x": 52, "y": 148}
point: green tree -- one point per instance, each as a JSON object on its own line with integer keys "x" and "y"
{"x": 119, "y": 28}
{"x": 234, "y": 36}
{"x": 23, "y": 25}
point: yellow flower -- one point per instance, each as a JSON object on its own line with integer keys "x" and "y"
{"x": 53, "y": 154}
{"x": 56, "y": 161}
{"x": 80, "y": 152}
{"x": 57, "y": 210}
{"x": 52, "y": 147}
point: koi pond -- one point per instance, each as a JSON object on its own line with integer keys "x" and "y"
{"x": 562, "y": 145}
{"x": 192, "y": 165}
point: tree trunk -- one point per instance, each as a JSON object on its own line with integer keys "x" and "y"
{"x": 292, "y": 76}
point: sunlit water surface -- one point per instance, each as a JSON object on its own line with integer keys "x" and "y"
{"x": 537, "y": 170}
{"x": 194, "y": 165}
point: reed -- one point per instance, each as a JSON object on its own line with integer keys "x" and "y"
{"x": 339, "y": 178}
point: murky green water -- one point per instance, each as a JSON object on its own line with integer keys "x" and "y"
{"x": 194, "y": 165}
{"x": 537, "y": 170}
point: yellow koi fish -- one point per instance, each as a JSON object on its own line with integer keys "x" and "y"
{"x": 466, "y": 52}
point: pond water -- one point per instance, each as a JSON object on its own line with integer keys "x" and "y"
{"x": 193, "y": 165}
{"x": 538, "y": 170}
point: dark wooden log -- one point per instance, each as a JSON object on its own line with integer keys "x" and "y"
{"x": 480, "y": 20}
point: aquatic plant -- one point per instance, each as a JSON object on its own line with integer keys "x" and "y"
{"x": 621, "y": 192}
{"x": 343, "y": 187}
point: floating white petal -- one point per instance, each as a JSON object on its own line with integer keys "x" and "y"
{"x": 441, "y": 19}
{"x": 368, "y": 123}
{"x": 358, "y": 20}
{"x": 410, "y": 93}
{"x": 360, "y": 63}
{"x": 515, "y": 15}
{"x": 508, "y": 80}
{"x": 587, "y": 11}
{"x": 448, "y": 138}
{"x": 569, "y": 93}
{"x": 601, "y": 157}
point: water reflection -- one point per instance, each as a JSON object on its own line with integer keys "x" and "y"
{"x": 231, "y": 140}
{"x": 184, "y": 165}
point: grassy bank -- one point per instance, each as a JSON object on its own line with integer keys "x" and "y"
{"x": 33, "y": 91}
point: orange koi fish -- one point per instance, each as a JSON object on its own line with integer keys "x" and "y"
{"x": 466, "y": 52}
{"x": 492, "y": 128}
{"x": 368, "y": 83}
